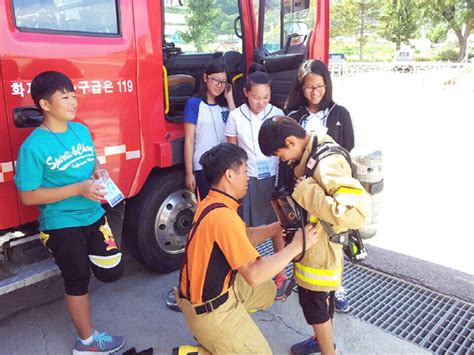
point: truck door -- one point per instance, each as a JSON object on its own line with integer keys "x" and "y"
{"x": 289, "y": 32}
{"x": 93, "y": 43}
{"x": 8, "y": 196}
{"x": 197, "y": 33}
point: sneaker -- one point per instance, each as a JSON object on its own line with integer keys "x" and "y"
{"x": 102, "y": 343}
{"x": 308, "y": 346}
{"x": 171, "y": 301}
{"x": 342, "y": 305}
{"x": 281, "y": 282}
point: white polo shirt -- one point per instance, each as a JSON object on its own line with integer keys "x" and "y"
{"x": 245, "y": 126}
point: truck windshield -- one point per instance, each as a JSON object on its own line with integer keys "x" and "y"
{"x": 202, "y": 25}
{"x": 285, "y": 18}
{"x": 85, "y": 16}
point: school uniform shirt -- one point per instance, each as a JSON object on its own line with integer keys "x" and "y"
{"x": 336, "y": 118}
{"x": 210, "y": 122}
{"x": 245, "y": 126}
{"x": 50, "y": 160}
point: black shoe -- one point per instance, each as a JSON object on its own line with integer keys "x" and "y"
{"x": 171, "y": 301}
{"x": 308, "y": 346}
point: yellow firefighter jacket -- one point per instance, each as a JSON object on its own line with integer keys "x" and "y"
{"x": 333, "y": 195}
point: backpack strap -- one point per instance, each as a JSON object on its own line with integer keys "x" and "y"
{"x": 192, "y": 232}
{"x": 321, "y": 151}
{"x": 318, "y": 153}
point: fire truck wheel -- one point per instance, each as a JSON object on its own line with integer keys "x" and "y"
{"x": 159, "y": 219}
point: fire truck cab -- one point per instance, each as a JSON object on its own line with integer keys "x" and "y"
{"x": 134, "y": 64}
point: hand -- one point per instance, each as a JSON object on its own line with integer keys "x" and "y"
{"x": 100, "y": 173}
{"x": 311, "y": 236}
{"x": 228, "y": 93}
{"x": 190, "y": 181}
{"x": 91, "y": 190}
{"x": 298, "y": 180}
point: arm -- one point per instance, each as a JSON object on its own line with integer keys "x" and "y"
{"x": 44, "y": 195}
{"x": 260, "y": 270}
{"x": 232, "y": 140}
{"x": 229, "y": 97}
{"x": 189, "y": 132}
{"x": 347, "y": 131}
{"x": 257, "y": 235}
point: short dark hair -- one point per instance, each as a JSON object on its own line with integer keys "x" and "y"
{"x": 257, "y": 75}
{"x": 44, "y": 85}
{"x": 217, "y": 160}
{"x": 274, "y": 132}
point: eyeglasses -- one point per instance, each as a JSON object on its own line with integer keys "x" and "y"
{"x": 311, "y": 89}
{"x": 218, "y": 82}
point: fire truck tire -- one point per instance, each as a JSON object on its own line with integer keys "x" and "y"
{"x": 158, "y": 221}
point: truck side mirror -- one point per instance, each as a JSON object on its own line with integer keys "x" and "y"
{"x": 27, "y": 116}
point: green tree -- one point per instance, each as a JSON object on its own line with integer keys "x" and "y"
{"x": 458, "y": 15}
{"x": 437, "y": 33}
{"x": 401, "y": 20}
{"x": 355, "y": 17}
{"x": 199, "y": 19}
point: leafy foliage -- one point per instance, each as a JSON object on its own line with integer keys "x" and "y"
{"x": 455, "y": 14}
{"x": 357, "y": 18}
{"x": 401, "y": 20}
{"x": 200, "y": 17}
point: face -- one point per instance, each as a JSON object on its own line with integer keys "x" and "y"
{"x": 293, "y": 151}
{"x": 259, "y": 96}
{"x": 240, "y": 181}
{"x": 314, "y": 89}
{"x": 216, "y": 83}
{"x": 61, "y": 106}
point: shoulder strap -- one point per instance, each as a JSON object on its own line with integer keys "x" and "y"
{"x": 192, "y": 232}
{"x": 321, "y": 151}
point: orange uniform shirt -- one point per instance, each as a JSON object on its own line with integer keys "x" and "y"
{"x": 219, "y": 247}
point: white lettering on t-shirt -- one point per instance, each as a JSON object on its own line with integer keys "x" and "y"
{"x": 75, "y": 155}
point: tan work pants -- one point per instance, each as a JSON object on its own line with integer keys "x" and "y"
{"x": 230, "y": 329}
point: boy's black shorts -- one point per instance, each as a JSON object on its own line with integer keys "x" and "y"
{"x": 315, "y": 305}
{"x": 76, "y": 250}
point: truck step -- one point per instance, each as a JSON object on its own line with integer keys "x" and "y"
{"x": 13, "y": 277}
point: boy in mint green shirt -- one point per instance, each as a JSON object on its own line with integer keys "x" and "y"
{"x": 55, "y": 170}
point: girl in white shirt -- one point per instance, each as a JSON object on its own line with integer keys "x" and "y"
{"x": 242, "y": 128}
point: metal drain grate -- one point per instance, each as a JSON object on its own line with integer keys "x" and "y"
{"x": 434, "y": 321}
{"x": 439, "y": 323}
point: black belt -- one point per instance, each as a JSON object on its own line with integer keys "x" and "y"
{"x": 209, "y": 306}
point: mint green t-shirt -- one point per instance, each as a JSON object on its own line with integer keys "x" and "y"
{"x": 48, "y": 159}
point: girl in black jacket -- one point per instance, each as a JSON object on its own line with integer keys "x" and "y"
{"x": 310, "y": 103}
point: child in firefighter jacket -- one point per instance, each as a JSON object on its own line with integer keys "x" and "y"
{"x": 331, "y": 194}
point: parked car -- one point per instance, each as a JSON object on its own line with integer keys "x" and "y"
{"x": 403, "y": 61}
{"x": 337, "y": 58}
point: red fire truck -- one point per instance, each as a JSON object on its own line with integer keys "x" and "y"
{"x": 134, "y": 64}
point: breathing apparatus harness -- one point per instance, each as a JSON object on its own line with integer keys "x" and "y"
{"x": 351, "y": 240}
{"x": 291, "y": 216}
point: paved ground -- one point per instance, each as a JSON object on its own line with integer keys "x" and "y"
{"x": 134, "y": 307}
